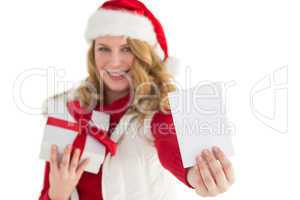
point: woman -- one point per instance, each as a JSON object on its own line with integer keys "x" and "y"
{"x": 128, "y": 79}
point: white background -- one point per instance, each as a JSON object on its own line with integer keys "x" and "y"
{"x": 240, "y": 41}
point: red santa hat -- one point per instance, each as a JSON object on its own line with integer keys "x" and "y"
{"x": 130, "y": 18}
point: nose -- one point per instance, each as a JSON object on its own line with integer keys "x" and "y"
{"x": 115, "y": 60}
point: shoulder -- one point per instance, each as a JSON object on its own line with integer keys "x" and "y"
{"x": 162, "y": 123}
{"x": 162, "y": 116}
{"x": 58, "y": 103}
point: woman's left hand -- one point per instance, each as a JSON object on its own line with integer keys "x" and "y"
{"x": 213, "y": 174}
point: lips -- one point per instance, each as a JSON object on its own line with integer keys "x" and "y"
{"x": 116, "y": 73}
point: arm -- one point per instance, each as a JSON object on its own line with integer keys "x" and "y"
{"x": 44, "y": 192}
{"x": 166, "y": 143}
{"x": 213, "y": 174}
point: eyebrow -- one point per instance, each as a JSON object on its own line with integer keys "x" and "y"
{"x": 108, "y": 46}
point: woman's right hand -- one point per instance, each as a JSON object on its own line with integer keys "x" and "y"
{"x": 65, "y": 174}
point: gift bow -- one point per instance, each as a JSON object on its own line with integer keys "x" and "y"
{"x": 85, "y": 127}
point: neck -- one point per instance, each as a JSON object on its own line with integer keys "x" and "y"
{"x": 110, "y": 96}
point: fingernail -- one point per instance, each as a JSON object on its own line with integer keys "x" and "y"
{"x": 205, "y": 152}
{"x": 215, "y": 149}
{"x": 199, "y": 159}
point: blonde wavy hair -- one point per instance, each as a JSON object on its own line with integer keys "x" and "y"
{"x": 151, "y": 81}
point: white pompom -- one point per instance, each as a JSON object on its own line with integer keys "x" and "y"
{"x": 174, "y": 66}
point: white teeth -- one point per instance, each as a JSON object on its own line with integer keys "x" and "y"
{"x": 116, "y": 73}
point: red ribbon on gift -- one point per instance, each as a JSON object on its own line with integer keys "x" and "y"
{"x": 84, "y": 128}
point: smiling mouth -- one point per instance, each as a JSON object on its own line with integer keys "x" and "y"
{"x": 116, "y": 73}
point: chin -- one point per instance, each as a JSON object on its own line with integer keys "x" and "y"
{"x": 118, "y": 88}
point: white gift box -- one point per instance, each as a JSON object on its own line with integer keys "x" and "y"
{"x": 62, "y": 137}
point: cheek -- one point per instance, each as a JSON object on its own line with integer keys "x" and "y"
{"x": 130, "y": 60}
{"x": 99, "y": 61}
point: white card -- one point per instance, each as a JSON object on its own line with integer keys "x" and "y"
{"x": 200, "y": 121}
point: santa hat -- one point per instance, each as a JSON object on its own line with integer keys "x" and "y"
{"x": 130, "y": 18}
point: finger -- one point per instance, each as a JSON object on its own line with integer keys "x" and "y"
{"x": 226, "y": 164}
{"x": 64, "y": 165}
{"x": 75, "y": 160}
{"x": 216, "y": 171}
{"x": 53, "y": 158}
{"x": 206, "y": 154}
{"x": 207, "y": 177}
{"x": 82, "y": 167}
{"x": 201, "y": 192}
{"x": 200, "y": 188}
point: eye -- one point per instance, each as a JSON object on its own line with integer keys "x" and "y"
{"x": 103, "y": 49}
{"x": 126, "y": 49}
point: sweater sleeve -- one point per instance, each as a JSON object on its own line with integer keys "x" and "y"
{"x": 166, "y": 143}
{"x": 44, "y": 192}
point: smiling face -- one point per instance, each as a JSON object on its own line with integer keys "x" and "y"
{"x": 113, "y": 59}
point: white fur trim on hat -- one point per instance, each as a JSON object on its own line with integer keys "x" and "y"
{"x": 116, "y": 23}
